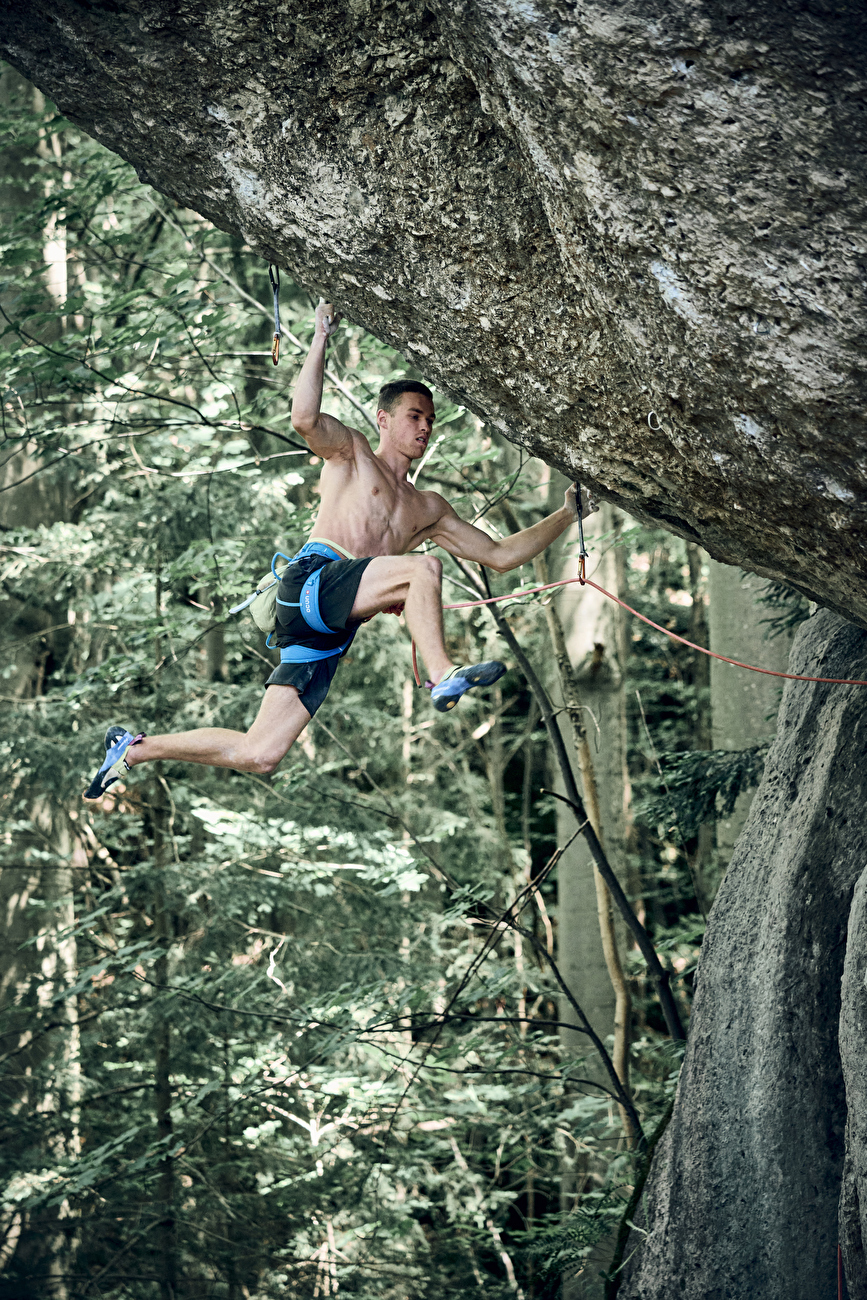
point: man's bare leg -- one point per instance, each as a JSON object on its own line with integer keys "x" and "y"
{"x": 416, "y": 581}
{"x": 280, "y": 720}
{"x": 412, "y": 580}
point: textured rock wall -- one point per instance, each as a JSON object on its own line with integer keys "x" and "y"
{"x": 853, "y": 1051}
{"x": 583, "y": 220}
{"x": 742, "y": 1198}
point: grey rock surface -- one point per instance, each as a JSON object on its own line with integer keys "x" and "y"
{"x": 853, "y": 1052}
{"x": 741, "y": 1203}
{"x": 630, "y": 235}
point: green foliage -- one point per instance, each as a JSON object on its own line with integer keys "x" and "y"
{"x": 276, "y": 1035}
{"x": 668, "y": 702}
{"x": 788, "y": 608}
{"x": 700, "y": 786}
{"x": 566, "y": 1245}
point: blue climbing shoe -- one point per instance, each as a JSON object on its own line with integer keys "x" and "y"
{"x": 456, "y": 683}
{"x": 117, "y": 742}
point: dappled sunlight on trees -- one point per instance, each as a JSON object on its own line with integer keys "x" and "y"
{"x": 275, "y": 1037}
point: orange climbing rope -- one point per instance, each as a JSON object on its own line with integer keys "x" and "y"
{"x": 586, "y": 582}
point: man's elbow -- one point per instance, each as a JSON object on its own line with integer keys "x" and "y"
{"x": 500, "y": 564}
{"x": 303, "y": 426}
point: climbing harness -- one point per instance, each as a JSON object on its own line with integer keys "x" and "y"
{"x": 308, "y": 606}
{"x": 264, "y": 600}
{"x": 275, "y": 285}
{"x": 262, "y": 603}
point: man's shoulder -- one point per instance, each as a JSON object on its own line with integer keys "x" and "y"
{"x": 433, "y": 503}
{"x": 354, "y": 447}
{"x": 360, "y": 443}
{"x": 432, "y": 497}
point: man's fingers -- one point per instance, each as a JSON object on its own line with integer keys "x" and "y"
{"x": 326, "y": 317}
{"x": 589, "y": 505}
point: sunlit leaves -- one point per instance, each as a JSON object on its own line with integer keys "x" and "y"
{"x": 362, "y": 1075}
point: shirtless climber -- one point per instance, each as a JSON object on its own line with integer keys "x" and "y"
{"x": 369, "y": 509}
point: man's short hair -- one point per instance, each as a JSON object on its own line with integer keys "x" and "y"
{"x": 390, "y": 394}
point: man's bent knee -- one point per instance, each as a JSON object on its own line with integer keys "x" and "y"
{"x": 431, "y": 567}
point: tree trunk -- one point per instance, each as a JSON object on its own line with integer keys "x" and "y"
{"x": 604, "y": 909}
{"x": 703, "y": 857}
{"x": 588, "y": 933}
{"x": 41, "y": 1079}
{"x": 42, "y": 497}
{"x": 165, "y": 1189}
{"x": 685, "y": 337}
{"x": 743, "y": 705}
{"x": 592, "y": 635}
{"x": 742, "y": 1197}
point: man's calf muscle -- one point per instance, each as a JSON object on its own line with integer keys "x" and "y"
{"x": 280, "y": 720}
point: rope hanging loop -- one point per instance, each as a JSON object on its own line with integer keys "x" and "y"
{"x": 275, "y": 285}
{"x": 673, "y": 636}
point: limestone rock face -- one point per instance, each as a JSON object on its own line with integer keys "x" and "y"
{"x": 742, "y": 1198}
{"x": 630, "y": 235}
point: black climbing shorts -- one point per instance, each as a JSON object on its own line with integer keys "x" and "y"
{"x": 337, "y": 590}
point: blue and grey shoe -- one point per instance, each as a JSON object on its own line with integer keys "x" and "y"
{"x": 458, "y": 681}
{"x": 117, "y": 742}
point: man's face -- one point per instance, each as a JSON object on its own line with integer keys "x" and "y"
{"x": 409, "y": 426}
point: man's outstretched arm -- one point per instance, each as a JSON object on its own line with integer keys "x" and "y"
{"x": 502, "y": 554}
{"x": 325, "y": 435}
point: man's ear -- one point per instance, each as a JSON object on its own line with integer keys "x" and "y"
{"x": 382, "y": 420}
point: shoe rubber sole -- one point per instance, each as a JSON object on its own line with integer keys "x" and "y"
{"x": 446, "y": 693}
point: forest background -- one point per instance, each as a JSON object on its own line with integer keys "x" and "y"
{"x": 321, "y": 1031}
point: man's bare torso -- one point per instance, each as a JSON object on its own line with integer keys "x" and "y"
{"x": 367, "y": 511}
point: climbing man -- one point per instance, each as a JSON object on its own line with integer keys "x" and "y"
{"x": 369, "y": 509}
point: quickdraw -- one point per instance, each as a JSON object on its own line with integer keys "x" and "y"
{"x": 582, "y": 549}
{"x": 275, "y": 285}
